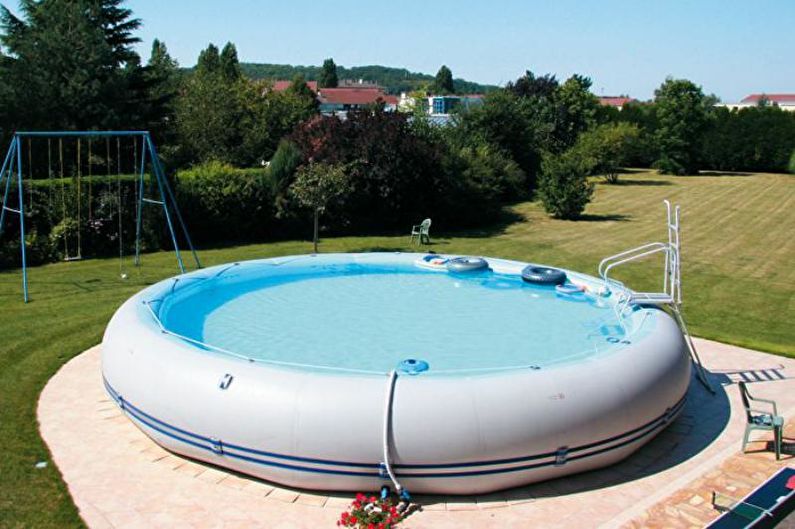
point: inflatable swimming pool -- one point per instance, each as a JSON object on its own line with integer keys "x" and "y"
{"x": 337, "y": 371}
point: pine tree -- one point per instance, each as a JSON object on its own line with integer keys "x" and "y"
{"x": 229, "y": 64}
{"x": 209, "y": 62}
{"x": 162, "y": 79}
{"x": 71, "y": 64}
{"x": 328, "y": 75}
{"x": 443, "y": 84}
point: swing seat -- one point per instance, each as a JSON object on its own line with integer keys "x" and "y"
{"x": 70, "y": 258}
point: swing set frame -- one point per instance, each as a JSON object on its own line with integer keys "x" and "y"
{"x": 12, "y": 169}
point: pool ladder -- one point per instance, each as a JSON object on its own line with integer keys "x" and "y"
{"x": 671, "y": 294}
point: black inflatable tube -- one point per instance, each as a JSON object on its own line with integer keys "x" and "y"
{"x": 541, "y": 275}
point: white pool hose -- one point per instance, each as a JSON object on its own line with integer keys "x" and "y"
{"x": 387, "y": 420}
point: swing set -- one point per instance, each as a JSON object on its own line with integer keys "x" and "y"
{"x": 144, "y": 153}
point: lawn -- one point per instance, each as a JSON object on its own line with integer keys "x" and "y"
{"x": 738, "y": 275}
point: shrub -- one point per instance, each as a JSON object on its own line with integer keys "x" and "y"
{"x": 750, "y": 139}
{"x": 792, "y": 162}
{"x": 222, "y": 203}
{"x": 51, "y": 217}
{"x": 490, "y": 173}
{"x": 564, "y": 188}
{"x": 609, "y": 147}
{"x": 284, "y": 164}
{"x": 396, "y": 175}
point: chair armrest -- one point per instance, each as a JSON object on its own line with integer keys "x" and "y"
{"x": 754, "y": 411}
{"x": 767, "y": 401}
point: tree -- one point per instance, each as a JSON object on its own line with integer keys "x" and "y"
{"x": 5, "y": 101}
{"x": 300, "y": 90}
{"x": 608, "y": 147}
{"x": 163, "y": 80}
{"x": 229, "y": 64}
{"x": 209, "y": 60}
{"x": 516, "y": 126}
{"x": 531, "y": 86}
{"x": 682, "y": 120}
{"x": 563, "y": 187}
{"x": 72, "y": 65}
{"x": 328, "y": 75}
{"x": 316, "y": 186}
{"x": 443, "y": 84}
{"x": 219, "y": 117}
{"x": 578, "y": 108}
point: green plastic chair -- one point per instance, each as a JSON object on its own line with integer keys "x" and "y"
{"x": 761, "y": 419}
{"x": 421, "y": 232}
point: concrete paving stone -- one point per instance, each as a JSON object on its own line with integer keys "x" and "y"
{"x": 283, "y": 495}
{"x": 212, "y": 475}
{"x": 189, "y": 468}
{"x": 116, "y": 474}
{"x": 258, "y": 488}
{"x": 431, "y": 502}
{"x": 314, "y": 500}
{"x": 339, "y": 503}
{"x": 496, "y": 500}
{"x": 462, "y": 503}
{"x": 233, "y": 481}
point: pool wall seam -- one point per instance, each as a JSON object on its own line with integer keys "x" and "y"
{"x": 207, "y": 443}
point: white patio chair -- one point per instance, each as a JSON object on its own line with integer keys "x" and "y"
{"x": 421, "y": 232}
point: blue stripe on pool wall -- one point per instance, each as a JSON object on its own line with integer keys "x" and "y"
{"x": 206, "y": 443}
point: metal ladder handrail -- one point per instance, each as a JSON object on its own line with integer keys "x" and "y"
{"x": 611, "y": 262}
{"x": 671, "y": 294}
{"x": 604, "y": 262}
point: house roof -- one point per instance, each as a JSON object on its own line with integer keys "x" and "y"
{"x": 280, "y": 86}
{"x": 773, "y": 98}
{"x": 615, "y": 101}
{"x": 352, "y": 96}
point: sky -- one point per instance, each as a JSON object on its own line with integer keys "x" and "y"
{"x": 731, "y": 48}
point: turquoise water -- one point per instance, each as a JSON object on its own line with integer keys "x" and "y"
{"x": 370, "y": 317}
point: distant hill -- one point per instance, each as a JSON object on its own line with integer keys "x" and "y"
{"x": 394, "y": 80}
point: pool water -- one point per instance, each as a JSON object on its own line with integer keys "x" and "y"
{"x": 370, "y": 317}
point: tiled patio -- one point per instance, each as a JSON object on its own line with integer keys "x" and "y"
{"x": 119, "y": 478}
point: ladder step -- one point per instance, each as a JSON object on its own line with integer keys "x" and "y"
{"x": 654, "y": 298}
{"x": 11, "y": 209}
{"x": 150, "y": 201}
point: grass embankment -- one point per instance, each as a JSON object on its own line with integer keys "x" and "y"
{"x": 739, "y": 286}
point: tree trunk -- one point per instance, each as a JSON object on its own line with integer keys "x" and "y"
{"x": 314, "y": 240}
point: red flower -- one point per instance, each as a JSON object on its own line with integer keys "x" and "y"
{"x": 360, "y": 496}
{"x": 370, "y": 526}
{"x": 353, "y": 520}
{"x": 373, "y": 499}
